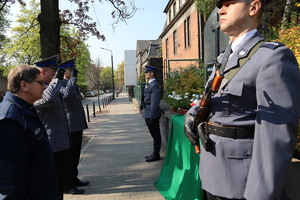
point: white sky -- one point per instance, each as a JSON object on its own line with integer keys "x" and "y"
{"x": 146, "y": 24}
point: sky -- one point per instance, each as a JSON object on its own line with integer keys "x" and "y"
{"x": 146, "y": 24}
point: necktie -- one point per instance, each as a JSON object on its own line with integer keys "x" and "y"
{"x": 226, "y": 55}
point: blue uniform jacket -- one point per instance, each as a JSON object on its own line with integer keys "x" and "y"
{"x": 151, "y": 108}
{"x": 264, "y": 94}
{"x": 51, "y": 112}
{"x": 26, "y": 159}
{"x": 73, "y": 106}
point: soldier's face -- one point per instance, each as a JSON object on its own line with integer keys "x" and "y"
{"x": 148, "y": 75}
{"x": 47, "y": 74}
{"x": 234, "y": 17}
{"x": 67, "y": 74}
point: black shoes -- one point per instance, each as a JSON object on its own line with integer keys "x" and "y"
{"x": 153, "y": 157}
{"x": 74, "y": 191}
{"x": 146, "y": 157}
{"x": 80, "y": 183}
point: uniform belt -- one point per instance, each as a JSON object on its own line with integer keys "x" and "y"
{"x": 231, "y": 132}
{"x": 147, "y": 103}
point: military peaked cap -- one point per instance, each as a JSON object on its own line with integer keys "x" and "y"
{"x": 219, "y": 2}
{"x": 150, "y": 68}
{"x": 67, "y": 64}
{"x": 48, "y": 62}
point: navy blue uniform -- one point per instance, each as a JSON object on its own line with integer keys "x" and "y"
{"x": 152, "y": 113}
{"x": 26, "y": 159}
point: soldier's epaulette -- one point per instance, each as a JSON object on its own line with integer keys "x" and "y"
{"x": 272, "y": 45}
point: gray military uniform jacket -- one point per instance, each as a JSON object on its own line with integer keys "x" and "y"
{"x": 51, "y": 112}
{"x": 151, "y": 108}
{"x": 264, "y": 94}
{"x": 73, "y": 106}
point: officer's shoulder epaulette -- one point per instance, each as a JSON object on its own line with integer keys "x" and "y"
{"x": 272, "y": 45}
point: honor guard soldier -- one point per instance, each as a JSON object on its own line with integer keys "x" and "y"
{"x": 250, "y": 133}
{"x": 51, "y": 111}
{"x": 77, "y": 123}
{"x": 151, "y": 111}
{"x": 26, "y": 160}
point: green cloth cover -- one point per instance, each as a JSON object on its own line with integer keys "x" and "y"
{"x": 179, "y": 178}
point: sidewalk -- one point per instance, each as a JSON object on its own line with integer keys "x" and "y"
{"x": 113, "y": 159}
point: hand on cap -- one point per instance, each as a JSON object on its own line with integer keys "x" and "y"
{"x": 59, "y": 73}
{"x": 74, "y": 72}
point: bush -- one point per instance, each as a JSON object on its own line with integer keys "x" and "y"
{"x": 183, "y": 86}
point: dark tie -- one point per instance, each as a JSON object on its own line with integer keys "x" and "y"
{"x": 225, "y": 58}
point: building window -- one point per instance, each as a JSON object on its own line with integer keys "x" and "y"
{"x": 174, "y": 9}
{"x": 167, "y": 48}
{"x": 175, "y": 41}
{"x": 180, "y": 3}
{"x": 187, "y": 33}
{"x": 170, "y": 16}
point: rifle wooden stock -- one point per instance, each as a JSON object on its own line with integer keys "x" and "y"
{"x": 202, "y": 113}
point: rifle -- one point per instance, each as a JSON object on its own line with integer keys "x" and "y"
{"x": 203, "y": 110}
{"x": 211, "y": 87}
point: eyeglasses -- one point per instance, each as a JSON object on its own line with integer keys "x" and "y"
{"x": 41, "y": 82}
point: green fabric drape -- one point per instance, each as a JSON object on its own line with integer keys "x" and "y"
{"x": 179, "y": 178}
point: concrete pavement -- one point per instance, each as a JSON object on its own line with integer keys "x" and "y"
{"x": 113, "y": 159}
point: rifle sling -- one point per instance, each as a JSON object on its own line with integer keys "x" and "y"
{"x": 229, "y": 75}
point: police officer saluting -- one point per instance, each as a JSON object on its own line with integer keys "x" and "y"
{"x": 253, "y": 118}
{"x": 51, "y": 111}
{"x": 77, "y": 123}
{"x": 26, "y": 160}
{"x": 152, "y": 112}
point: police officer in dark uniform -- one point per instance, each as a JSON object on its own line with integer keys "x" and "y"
{"x": 253, "y": 118}
{"x": 152, "y": 112}
{"x": 76, "y": 121}
{"x": 26, "y": 160}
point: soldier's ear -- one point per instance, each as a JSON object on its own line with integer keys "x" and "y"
{"x": 255, "y": 7}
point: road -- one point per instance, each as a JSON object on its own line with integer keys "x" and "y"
{"x": 90, "y": 101}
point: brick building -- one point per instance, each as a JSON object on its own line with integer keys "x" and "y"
{"x": 181, "y": 37}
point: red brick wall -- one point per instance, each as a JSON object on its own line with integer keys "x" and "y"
{"x": 191, "y": 52}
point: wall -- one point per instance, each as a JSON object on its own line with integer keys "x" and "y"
{"x": 130, "y": 77}
{"x": 191, "y": 52}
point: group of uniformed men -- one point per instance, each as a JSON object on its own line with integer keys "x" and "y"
{"x": 41, "y": 102}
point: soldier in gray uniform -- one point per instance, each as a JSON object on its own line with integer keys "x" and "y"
{"x": 51, "y": 112}
{"x": 253, "y": 119}
{"x": 76, "y": 121}
{"x": 152, "y": 112}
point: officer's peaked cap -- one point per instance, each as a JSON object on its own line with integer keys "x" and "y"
{"x": 150, "y": 68}
{"x": 48, "y": 62}
{"x": 67, "y": 64}
{"x": 219, "y": 2}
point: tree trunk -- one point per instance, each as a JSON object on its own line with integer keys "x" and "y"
{"x": 50, "y": 28}
{"x": 286, "y": 14}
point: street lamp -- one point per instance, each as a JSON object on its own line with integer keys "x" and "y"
{"x": 112, "y": 70}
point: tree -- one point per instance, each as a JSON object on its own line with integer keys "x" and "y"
{"x": 24, "y": 45}
{"x": 106, "y": 78}
{"x": 119, "y": 76}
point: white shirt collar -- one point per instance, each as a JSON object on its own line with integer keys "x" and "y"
{"x": 151, "y": 80}
{"x": 240, "y": 41}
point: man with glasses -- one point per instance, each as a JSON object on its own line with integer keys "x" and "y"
{"x": 51, "y": 111}
{"x": 26, "y": 160}
{"x": 251, "y": 130}
{"x": 152, "y": 112}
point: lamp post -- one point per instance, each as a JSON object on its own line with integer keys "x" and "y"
{"x": 112, "y": 70}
